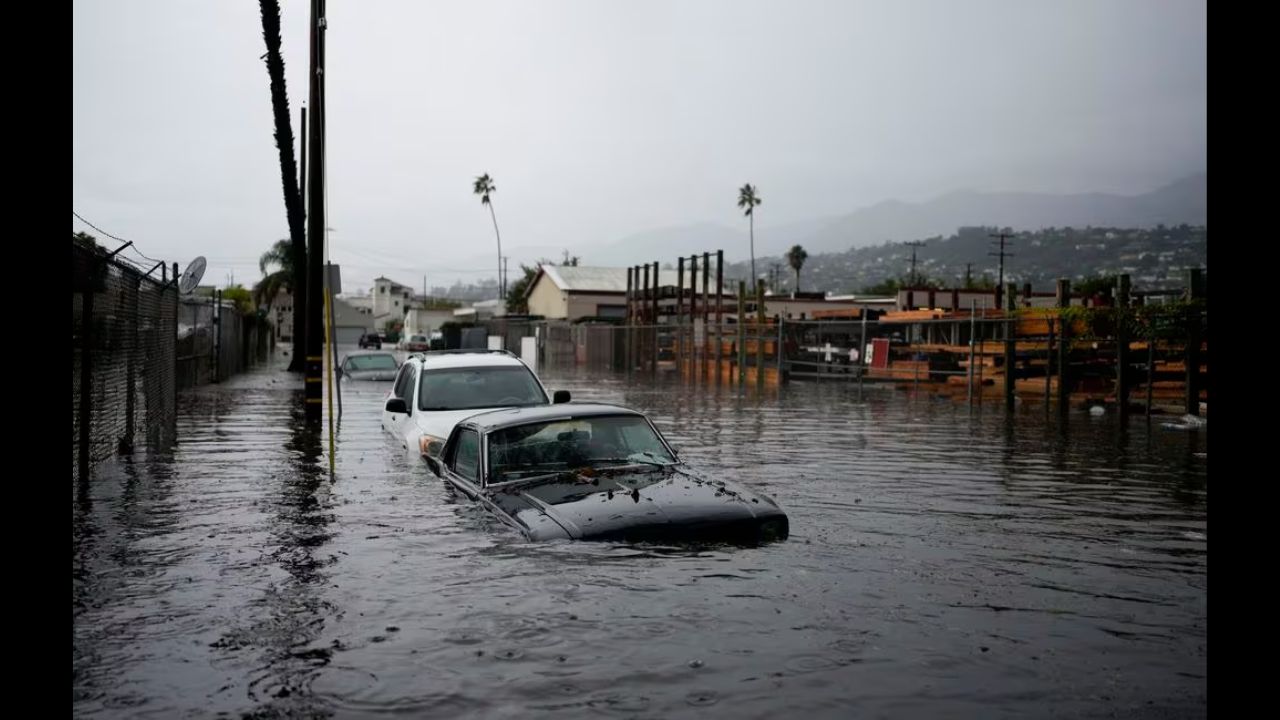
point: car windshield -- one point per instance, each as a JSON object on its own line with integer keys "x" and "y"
{"x": 547, "y": 447}
{"x": 471, "y": 388}
{"x": 357, "y": 363}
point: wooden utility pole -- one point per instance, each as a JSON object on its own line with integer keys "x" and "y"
{"x": 316, "y": 219}
{"x": 1004, "y": 237}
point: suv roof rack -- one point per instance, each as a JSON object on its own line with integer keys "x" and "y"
{"x": 464, "y": 351}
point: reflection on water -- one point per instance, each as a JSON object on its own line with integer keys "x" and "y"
{"x": 943, "y": 562}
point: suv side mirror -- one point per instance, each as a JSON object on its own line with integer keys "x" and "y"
{"x": 396, "y": 405}
{"x": 560, "y": 396}
{"x": 433, "y": 464}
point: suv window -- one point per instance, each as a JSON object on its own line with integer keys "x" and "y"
{"x": 404, "y": 384}
{"x": 471, "y": 388}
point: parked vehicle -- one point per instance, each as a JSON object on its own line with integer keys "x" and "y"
{"x": 368, "y": 366}
{"x": 434, "y": 390}
{"x": 370, "y": 340}
{"x": 596, "y": 472}
{"x": 415, "y": 343}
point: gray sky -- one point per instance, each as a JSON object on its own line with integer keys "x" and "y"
{"x": 599, "y": 118}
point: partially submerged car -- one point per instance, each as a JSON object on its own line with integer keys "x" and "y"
{"x": 368, "y": 366}
{"x": 437, "y": 389}
{"x": 596, "y": 472}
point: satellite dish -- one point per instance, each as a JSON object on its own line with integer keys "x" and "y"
{"x": 191, "y": 276}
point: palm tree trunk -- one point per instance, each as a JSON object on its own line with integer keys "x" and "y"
{"x": 797, "y": 280}
{"x": 502, "y": 285}
{"x": 752, "y": 217}
{"x": 288, "y": 168}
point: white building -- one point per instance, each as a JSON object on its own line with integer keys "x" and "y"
{"x": 280, "y": 312}
{"x": 391, "y": 299}
{"x": 568, "y": 292}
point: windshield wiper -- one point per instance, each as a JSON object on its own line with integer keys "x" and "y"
{"x": 644, "y": 458}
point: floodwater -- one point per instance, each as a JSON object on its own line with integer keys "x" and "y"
{"x": 942, "y": 563}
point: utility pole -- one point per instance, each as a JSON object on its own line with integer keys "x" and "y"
{"x": 504, "y": 276}
{"x": 968, "y": 275}
{"x": 314, "y": 381}
{"x": 1004, "y": 237}
{"x": 913, "y": 245}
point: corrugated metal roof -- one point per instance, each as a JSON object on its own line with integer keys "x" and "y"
{"x": 587, "y": 279}
{"x": 608, "y": 279}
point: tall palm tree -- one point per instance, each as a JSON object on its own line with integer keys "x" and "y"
{"x": 265, "y": 290}
{"x": 795, "y": 258}
{"x": 484, "y": 187}
{"x": 289, "y": 175}
{"x": 747, "y": 198}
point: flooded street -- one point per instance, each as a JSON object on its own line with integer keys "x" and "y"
{"x": 942, "y": 563}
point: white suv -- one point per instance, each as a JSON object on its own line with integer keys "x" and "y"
{"x": 435, "y": 390}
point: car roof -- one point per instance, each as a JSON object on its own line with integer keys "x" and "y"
{"x": 354, "y": 353}
{"x": 507, "y": 417}
{"x": 479, "y": 358}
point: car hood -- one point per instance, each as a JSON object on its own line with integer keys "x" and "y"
{"x": 440, "y": 422}
{"x": 370, "y": 374}
{"x": 670, "y": 503}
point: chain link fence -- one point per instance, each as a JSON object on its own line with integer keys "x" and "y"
{"x": 123, "y": 356}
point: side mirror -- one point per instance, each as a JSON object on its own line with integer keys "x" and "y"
{"x": 396, "y": 405}
{"x": 434, "y": 465}
{"x": 560, "y": 396}
{"x": 338, "y": 371}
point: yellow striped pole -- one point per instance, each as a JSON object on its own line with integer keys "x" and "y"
{"x": 328, "y": 340}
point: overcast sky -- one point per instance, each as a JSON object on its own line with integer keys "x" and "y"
{"x": 599, "y": 118}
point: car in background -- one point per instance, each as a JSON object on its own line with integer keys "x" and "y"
{"x": 596, "y": 472}
{"x": 368, "y": 366}
{"x": 370, "y": 340}
{"x": 415, "y": 343}
{"x": 434, "y": 390}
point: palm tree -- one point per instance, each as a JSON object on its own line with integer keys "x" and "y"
{"x": 289, "y": 175}
{"x": 795, "y": 258}
{"x": 484, "y": 187}
{"x": 265, "y": 290}
{"x": 748, "y": 199}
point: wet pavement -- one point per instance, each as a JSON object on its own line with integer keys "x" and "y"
{"x": 942, "y": 563}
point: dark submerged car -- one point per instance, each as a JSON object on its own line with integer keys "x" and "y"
{"x": 371, "y": 340}
{"x": 596, "y": 472}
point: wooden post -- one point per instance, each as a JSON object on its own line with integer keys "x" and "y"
{"x": 1048, "y": 364}
{"x": 657, "y": 341}
{"x": 759, "y": 333}
{"x": 679, "y": 326}
{"x": 719, "y": 315}
{"x": 973, "y": 339}
{"x": 742, "y": 332}
{"x": 644, "y": 314}
{"x": 1122, "y": 344}
{"x": 695, "y": 358}
{"x": 1009, "y": 331}
{"x": 631, "y": 303}
{"x": 1195, "y": 290}
{"x": 778, "y": 349}
{"x": 1064, "y": 345}
{"x": 705, "y": 357}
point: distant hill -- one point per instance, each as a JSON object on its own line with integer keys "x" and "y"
{"x": 1153, "y": 257}
{"x": 1183, "y": 201}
